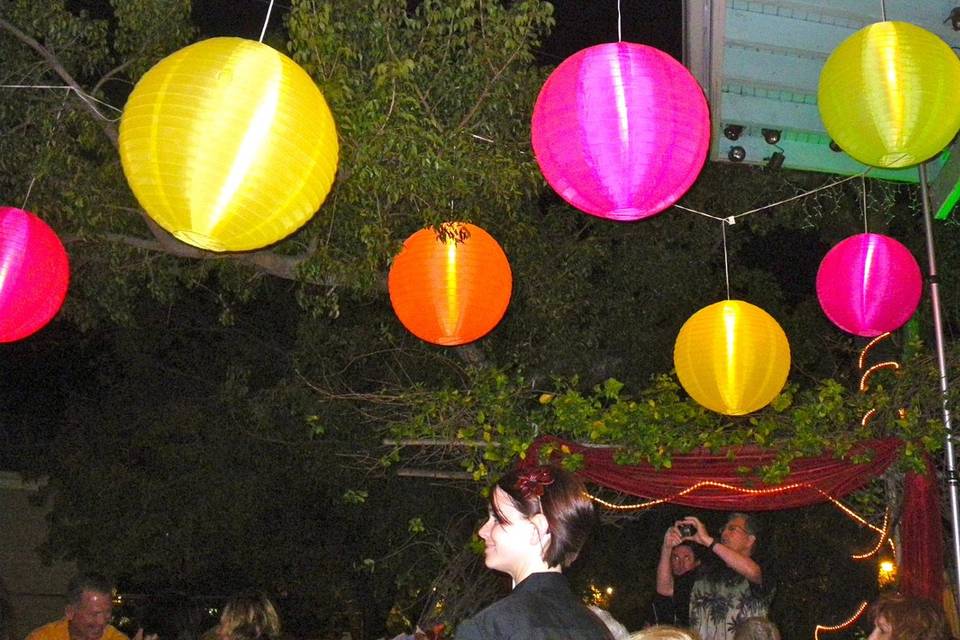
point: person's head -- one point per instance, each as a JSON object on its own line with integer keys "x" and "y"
{"x": 538, "y": 515}
{"x": 897, "y": 617}
{"x": 683, "y": 559}
{"x": 89, "y": 606}
{"x": 740, "y": 533}
{"x": 249, "y": 616}
{"x": 756, "y": 629}
{"x": 665, "y": 632}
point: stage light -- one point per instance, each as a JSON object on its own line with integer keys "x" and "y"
{"x": 772, "y": 136}
{"x": 733, "y": 131}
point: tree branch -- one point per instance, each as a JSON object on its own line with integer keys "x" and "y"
{"x": 486, "y": 91}
{"x": 280, "y": 266}
{"x": 109, "y": 129}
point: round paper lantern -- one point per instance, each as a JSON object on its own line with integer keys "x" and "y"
{"x": 34, "y": 273}
{"x": 620, "y": 130}
{"x": 732, "y": 357}
{"x": 888, "y": 94}
{"x": 228, "y": 144}
{"x": 869, "y": 284}
{"x": 450, "y": 290}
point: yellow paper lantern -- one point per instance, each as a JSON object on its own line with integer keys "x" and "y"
{"x": 889, "y": 95}
{"x": 732, "y": 357}
{"x": 228, "y": 144}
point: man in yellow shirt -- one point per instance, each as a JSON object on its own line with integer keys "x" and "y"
{"x": 87, "y": 614}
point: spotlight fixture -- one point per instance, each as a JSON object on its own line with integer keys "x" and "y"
{"x": 737, "y": 154}
{"x": 775, "y": 161}
{"x": 732, "y": 131}
{"x": 835, "y": 147}
{"x": 772, "y": 136}
{"x": 954, "y": 19}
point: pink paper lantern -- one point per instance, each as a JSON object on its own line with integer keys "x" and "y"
{"x": 869, "y": 284}
{"x": 620, "y": 130}
{"x": 34, "y": 273}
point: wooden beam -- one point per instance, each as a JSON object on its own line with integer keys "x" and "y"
{"x": 428, "y": 442}
{"x": 439, "y": 475}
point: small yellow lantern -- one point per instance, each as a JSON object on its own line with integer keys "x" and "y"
{"x": 888, "y": 94}
{"x": 732, "y": 357}
{"x": 228, "y": 144}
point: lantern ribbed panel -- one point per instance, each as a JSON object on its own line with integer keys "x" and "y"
{"x": 620, "y": 130}
{"x": 34, "y": 273}
{"x": 448, "y": 292}
{"x": 889, "y": 94}
{"x": 732, "y": 357}
{"x": 869, "y": 284}
{"x": 228, "y": 145}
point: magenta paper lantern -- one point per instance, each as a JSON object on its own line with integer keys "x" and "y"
{"x": 620, "y": 130}
{"x": 869, "y": 284}
{"x": 34, "y": 273}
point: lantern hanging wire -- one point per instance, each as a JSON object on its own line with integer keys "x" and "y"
{"x": 883, "y": 11}
{"x": 863, "y": 202}
{"x": 726, "y": 261}
{"x": 263, "y": 32}
{"x": 619, "y": 24}
{"x": 49, "y": 144}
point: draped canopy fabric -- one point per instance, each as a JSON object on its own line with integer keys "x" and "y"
{"x": 709, "y": 480}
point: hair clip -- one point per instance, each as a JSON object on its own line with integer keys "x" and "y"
{"x": 531, "y": 482}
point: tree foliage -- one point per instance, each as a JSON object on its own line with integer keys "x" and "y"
{"x": 250, "y": 392}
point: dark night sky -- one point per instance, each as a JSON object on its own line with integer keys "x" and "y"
{"x": 580, "y": 23}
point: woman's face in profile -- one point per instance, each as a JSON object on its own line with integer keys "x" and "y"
{"x": 510, "y": 542}
{"x": 882, "y": 630}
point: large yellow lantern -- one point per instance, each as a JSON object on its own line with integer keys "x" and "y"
{"x": 228, "y": 144}
{"x": 732, "y": 357}
{"x": 889, "y": 95}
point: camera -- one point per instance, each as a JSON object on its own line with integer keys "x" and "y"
{"x": 687, "y": 530}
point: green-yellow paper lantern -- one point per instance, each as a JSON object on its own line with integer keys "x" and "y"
{"x": 228, "y": 144}
{"x": 889, "y": 95}
{"x": 732, "y": 357}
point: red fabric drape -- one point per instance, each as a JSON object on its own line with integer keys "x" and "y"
{"x": 811, "y": 481}
{"x": 694, "y": 480}
{"x": 921, "y": 534}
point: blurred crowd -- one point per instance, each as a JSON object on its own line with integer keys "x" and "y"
{"x": 709, "y": 587}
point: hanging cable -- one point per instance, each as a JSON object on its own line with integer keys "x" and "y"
{"x": 863, "y": 200}
{"x": 726, "y": 262}
{"x": 619, "y": 24}
{"x": 48, "y": 145}
{"x": 266, "y": 22}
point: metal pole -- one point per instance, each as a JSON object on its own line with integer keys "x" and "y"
{"x": 951, "y": 470}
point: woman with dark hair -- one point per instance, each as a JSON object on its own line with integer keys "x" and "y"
{"x": 539, "y": 519}
{"x": 897, "y": 617}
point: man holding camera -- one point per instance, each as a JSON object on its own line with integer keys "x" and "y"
{"x": 676, "y": 573}
{"x": 735, "y": 588}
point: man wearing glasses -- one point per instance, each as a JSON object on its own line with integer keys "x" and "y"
{"x": 738, "y": 587}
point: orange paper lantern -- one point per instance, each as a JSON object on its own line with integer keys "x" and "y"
{"x": 451, "y": 287}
